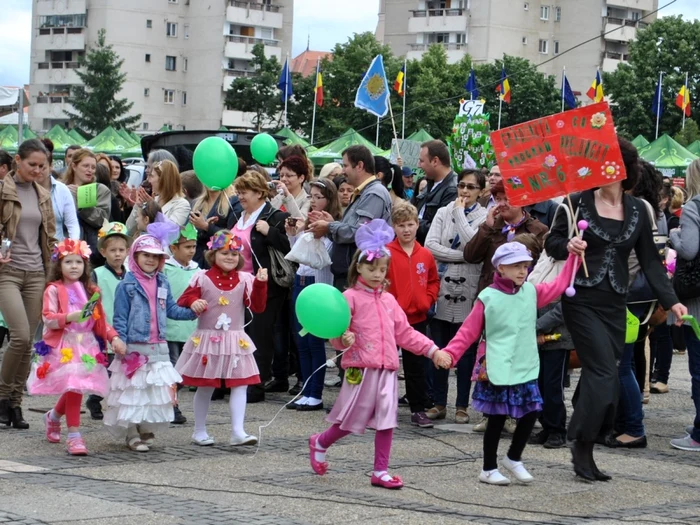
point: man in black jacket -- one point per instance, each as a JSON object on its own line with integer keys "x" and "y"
{"x": 434, "y": 160}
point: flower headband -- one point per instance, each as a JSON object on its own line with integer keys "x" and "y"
{"x": 70, "y": 247}
{"x": 372, "y": 238}
{"x": 225, "y": 240}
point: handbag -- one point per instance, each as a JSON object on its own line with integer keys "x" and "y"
{"x": 547, "y": 267}
{"x": 283, "y": 271}
{"x": 309, "y": 251}
{"x": 479, "y": 373}
{"x": 686, "y": 279}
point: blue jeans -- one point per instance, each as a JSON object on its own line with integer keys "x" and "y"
{"x": 312, "y": 349}
{"x": 630, "y": 415}
{"x": 693, "y": 346}
{"x": 442, "y": 332}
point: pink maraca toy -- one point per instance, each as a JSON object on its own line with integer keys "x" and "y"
{"x": 571, "y": 291}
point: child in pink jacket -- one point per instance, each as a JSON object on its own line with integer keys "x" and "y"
{"x": 369, "y": 394}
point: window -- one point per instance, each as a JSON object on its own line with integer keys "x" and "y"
{"x": 266, "y": 33}
{"x": 148, "y": 57}
{"x": 184, "y": 98}
{"x": 557, "y": 14}
{"x": 144, "y": 125}
{"x": 170, "y": 63}
{"x": 171, "y": 29}
{"x": 461, "y": 38}
{"x": 186, "y": 31}
{"x": 149, "y": 24}
{"x": 169, "y": 96}
{"x": 544, "y": 46}
{"x": 544, "y": 12}
{"x": 185, "y": 63}
{"x": 438, "y": 38}
{"x": 556, "y": 47}
{"x": 172, "y": 1}
{"x": 62, "y": 21}
{"x": 526, "y": 6}
{"x": 146, "y": 92}
{"x": 524, "y": 40}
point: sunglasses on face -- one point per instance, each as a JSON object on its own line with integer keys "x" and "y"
{"x": 465, "y": 186}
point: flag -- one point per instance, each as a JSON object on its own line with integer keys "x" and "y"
{"x": 683, "y": 100}
{"x": 657, "y": 105}
{"x": 595, "y": 92}
{"x": 373, "y": 92}
{"x": 504, "y": 87}
{"x": 568, "y": 95}
{"x": 398, "y": 83}
{"x": 285, "y": 83}
{"x": 471, "y": 87}
{"x": 318, "y": 89}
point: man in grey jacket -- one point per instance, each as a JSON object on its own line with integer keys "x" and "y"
{"x": 370, "y": 200}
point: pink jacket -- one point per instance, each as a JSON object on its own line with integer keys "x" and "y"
{"x": 379, "y": 325}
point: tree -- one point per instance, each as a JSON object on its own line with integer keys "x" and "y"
{"x": 259, "y": 94}
{"x": 670, "y": 45}
{"x": 95, "y": 102}
{"x": 689, "y": 134}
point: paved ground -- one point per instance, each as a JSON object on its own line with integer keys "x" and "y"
{"x": 179, "y": 483}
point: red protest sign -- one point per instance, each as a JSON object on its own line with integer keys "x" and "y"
{"x": 560, "y": 154}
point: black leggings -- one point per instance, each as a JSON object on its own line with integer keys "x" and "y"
{"x": 492, "y": 436}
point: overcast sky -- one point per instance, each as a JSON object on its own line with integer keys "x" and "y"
{"x": 332, "y": 21}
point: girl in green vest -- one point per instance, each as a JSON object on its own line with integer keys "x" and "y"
{"x": 506, "y": 314}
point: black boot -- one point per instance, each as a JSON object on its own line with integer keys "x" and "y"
{"x": 5, "y": 412}
{"x": 17, "y": 420}
{"x": 179, "y": 418}
{"x": 597, "y": 473}
{"x": 94, "y": 405}
{"x": 581, "y": 458}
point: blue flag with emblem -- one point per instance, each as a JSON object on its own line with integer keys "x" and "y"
{"x": 373, "y": 93}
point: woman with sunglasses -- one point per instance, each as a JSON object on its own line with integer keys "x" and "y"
{"x": 451, "y": 230}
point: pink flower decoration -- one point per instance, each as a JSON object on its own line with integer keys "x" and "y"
{"x": 101, "y": 359}
{"x": 610, "y": 170}
{"x": 132, "y": 362}
{"x": 560, "y": 124}
{"x": 205, "y": 360}
{"x": 215, "y": 338}
{"x": 550, "y": 161}
{"x": 504, "y": 154}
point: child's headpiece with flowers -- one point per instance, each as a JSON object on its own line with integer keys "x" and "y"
{"x": 70, "y": 247}
{"x": 225, "y": 240}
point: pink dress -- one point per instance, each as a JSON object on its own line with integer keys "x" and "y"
{"x": 74, "y": 364}
{"x": 247, "y": 252}
{"x": 220, "y": 353}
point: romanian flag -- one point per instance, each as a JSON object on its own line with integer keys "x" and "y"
{"x": 318, "y": 89}
{"x": 398, "y": 83}
{"x": 504, "y": 87}
{"x": 683, "y": 100}
{"x": 595, "y": 92}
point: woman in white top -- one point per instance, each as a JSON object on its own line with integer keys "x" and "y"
{"x": 291, "y": 197}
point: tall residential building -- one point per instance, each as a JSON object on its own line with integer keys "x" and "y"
{"x": 538, "y": 30}
{"x": 180, "y": 56}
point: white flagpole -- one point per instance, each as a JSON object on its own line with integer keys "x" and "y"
{"x": 658, "y": 105}
{"x": 685, "y": 94}
{"x": 563, "y": 83}
{"x": 500, "y": 107}
{"x": 313, "y": 118}
{"x": 376, "y": 139}
{"x": 405, "y": 92}
{"x": 286, "y": 89}
{"x": 20, "y": 112}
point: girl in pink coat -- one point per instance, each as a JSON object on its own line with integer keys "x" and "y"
{"x": 369, "y": 394}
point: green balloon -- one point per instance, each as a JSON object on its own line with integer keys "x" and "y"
{"x": 263, "y": 148}
{"x": 215, "y": 163}
{"x": 322, "y": 311}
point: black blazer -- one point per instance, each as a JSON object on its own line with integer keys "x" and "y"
{"x": 445, "y": 193}
{"x": 607, "y": 256}
{"x": 222, "y": 223}
{"x": 276, "y": 237}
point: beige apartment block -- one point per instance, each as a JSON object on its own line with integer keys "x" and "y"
{"x": 180, "y": 56}
{"x": 538, "y": 30}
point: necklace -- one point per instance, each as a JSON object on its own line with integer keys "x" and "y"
{"x": 607, "y": 203}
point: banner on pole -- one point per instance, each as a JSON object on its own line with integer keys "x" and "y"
{"x": 560, "y": 154}
{"x": 409, "y": 151}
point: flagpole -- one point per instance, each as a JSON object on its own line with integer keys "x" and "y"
{"x": 658, "y": 105}
{"x": 376, "y": 139}
{"x": 286, "y": 88}
{"x": 405, "y": 91}
{"x": 471, "y": 91}
{"x": 563, "y": 82}
{"x": 313, "y": 118}
{"x": 500, "y": 107}
{"x": 393, "y": 127}
{"x": 685, "y": 94}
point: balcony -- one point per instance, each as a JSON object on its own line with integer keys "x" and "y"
{"x": 60, "y": 38}
{"x": 438, "y": 21}
{"x": 644, "y": 5}
{"x": 242, "y": 47}
{"x": 455, "y": 52}
{"x": 51, "y": 7}
{"x": 611, "y": 60}
{"x": 56, "y": 73}
{"x": 623, "y": 30}
{"x": 233, "y": 74}
{"x": 50, "y": 107}
{"x": 254, "y": 14}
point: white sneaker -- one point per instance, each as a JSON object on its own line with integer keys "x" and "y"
{"x": 333, "y": 381}
{"x": 205, "y": 441}
{"x": 493, "y": 477}
{"x": 518, "y": 470}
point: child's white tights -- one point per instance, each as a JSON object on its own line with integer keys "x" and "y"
{"x": 237, "y": 406}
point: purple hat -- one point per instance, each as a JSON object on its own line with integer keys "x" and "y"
{"x": 510, "y": 253}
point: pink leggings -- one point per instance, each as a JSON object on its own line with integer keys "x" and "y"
{"x": 382, "y": 444}
{"x": 69, "y": 404}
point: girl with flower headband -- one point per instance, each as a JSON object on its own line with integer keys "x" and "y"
{"x": 369, "y": 394}
{"x": 71, "y": 359}
{"x": 220, "y": 354}
{"x": 143, "y": 382}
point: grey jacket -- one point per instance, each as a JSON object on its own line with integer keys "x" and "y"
{"x": 550, "y": 320}
{"x": 373, "y": 203}
{"x": 686, "y": 241}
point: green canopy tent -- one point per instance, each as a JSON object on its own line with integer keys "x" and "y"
{"x": 109, "y": 141}
{"x": 125, "y": 135}
{"x": 60, "y": 138}
{"x": 77, "y": 137}
{"x": 222, "y": 128}
{"x": 639, "y": 142}
{"x": 420, "y": 136}
{"x": 694, "y": 148}
{"x": 669, "y": 157}
{"x": 9, "y": 138}
{"x": 333, "y": 152}
{"x": 292, "y": 138}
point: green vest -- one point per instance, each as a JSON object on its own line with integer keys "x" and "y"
{"x": 107, "y": 282}
{"x": 179, "y": 278}
{"x": 511, "y": 338}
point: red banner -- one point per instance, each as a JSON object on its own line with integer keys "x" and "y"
{"x": 560, "y": 154}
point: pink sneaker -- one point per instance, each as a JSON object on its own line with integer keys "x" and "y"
{"x": 53, "y": 429}
{"x": 76, "y": 447}
{"x": 394, "y": 483}
{"x": 319, "y": 467}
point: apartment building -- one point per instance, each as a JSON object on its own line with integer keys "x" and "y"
{"x": 538, "y": 30}
{"x": 180, "y": 56}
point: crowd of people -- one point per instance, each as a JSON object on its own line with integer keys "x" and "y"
{"x": 135, "y": 293}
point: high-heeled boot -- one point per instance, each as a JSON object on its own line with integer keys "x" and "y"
{"x": 597, "y": 473}
{"x": 581, "y": 458}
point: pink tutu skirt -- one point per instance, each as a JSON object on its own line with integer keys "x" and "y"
{"x": 374, "y": 403}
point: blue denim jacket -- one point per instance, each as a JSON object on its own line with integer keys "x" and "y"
{"x": 132, "y": 313}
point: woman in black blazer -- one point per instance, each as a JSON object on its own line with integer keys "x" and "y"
{"x": 211, "y": 212}
{"x": 261, "y": 227}
{"x": 596, "y": 315}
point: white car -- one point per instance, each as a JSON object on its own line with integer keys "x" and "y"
{"x": 132, "y": 160}
{"x": 135, "y": 175}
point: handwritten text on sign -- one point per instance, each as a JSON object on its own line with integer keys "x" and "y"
{"x": 560, "y": 154}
